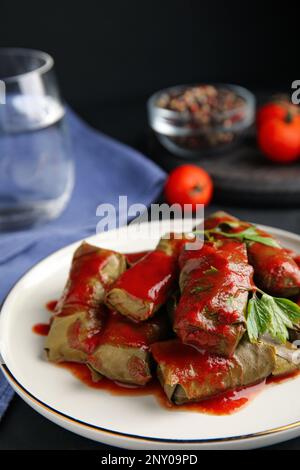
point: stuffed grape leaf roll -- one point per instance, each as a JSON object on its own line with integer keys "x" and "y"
{"x": 275, "y": 270}
{"x": 123, "y": 350}
{"x": 287, "y": 359}
{"x": 144, "y": 288}
{"x": 214, "y": 282}
{"x": 188, "y": 375}
{"x": 79, "y": 317}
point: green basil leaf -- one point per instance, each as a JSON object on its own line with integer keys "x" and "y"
{"x": 273, "y": 315}
{"x": 291, "y": 309}
{"x": 249, "y": 234}
{"x": 263, "y": 240}
{"x": 249, "y": 231}
{"x": 252, "y": 327}
{"x": 277, "y": 309}
{"x": 211, "y": 270}
{"x": 230, "y": 224}
{"x": 258, "y": 318}
{"x": 198, "y": 232}
{"x": 280, "y": 322}
{"x": 199, "y": 289}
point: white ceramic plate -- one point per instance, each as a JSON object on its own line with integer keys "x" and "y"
{"x": 129, "y": 422}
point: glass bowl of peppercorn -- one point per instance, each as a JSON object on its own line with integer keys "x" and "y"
{"x": 195, "y": 120}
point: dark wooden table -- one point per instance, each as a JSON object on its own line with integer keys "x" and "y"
{"x": 23, "y": 428}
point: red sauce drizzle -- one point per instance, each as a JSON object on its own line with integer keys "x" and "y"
{"x": 282, "y": 378}
{"x": 41, "y": 329}
{"x": 84, "y": 277}
{"x": 275, "y": 268}
{"x": 213, "y": 275}
{"x": 82, "y": 372}
{"x": 150, "y": 279}
{"x": 120, "y": 330}
{"x": 224, "y": 404}
{"x": 186, "y": 364}
{"x": 51, "y": 305}
{"x": 297, "y": 260}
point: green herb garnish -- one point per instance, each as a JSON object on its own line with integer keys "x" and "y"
{"x": 211, "y": 270}
{"x": 198, "y": 289}
{"x": 265, "y": 314}
{"x": 249, "y": 234}
{"x": 273, "y": 315}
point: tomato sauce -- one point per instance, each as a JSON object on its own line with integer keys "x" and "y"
{"x": 51, "y": 305}
{"x": 151, "y": 278}
{"x": 84, "y": 278}
{"x": 118, "y": 330}
{"x": 297, "y": 260}
{"x": 211, "y": 269}
{"x": 85, "y": 336}
{"x": 225, "y": 404}
{"x": 41, "y": 329}
{"x": 216, "y": 280}
{"x": 82, "y": 372}
{"x": 188, "y": 365}
{"x": 282, "y": 378}
{"x": 276, "y": 269}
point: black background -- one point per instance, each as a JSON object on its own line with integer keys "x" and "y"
{"x": 116, "y": 51}
{"x": 112, "y": 54}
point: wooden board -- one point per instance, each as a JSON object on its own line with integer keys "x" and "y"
{"x": 242, "y": 176}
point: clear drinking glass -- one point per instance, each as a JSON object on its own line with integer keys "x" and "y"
{"x": 36, "y": 168}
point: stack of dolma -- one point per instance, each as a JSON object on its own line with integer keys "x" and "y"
{"x": 104, "y": 317}
{"x": 112, "y": 314}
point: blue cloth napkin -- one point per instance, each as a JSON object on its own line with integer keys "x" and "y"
{"x": 104, "y": 170}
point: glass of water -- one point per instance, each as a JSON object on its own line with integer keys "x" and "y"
{"x": 36, "y": 168}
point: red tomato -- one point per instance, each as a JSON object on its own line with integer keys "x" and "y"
{"x": 270, "y": 111}
{"x": 189, "y": 184}
{"x": 279, "y": 139}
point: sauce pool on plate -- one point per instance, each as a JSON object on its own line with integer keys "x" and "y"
{"x": 41, "y": 329}
{"x": 224, "y": 404}
{"x": 51, "y": 306}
